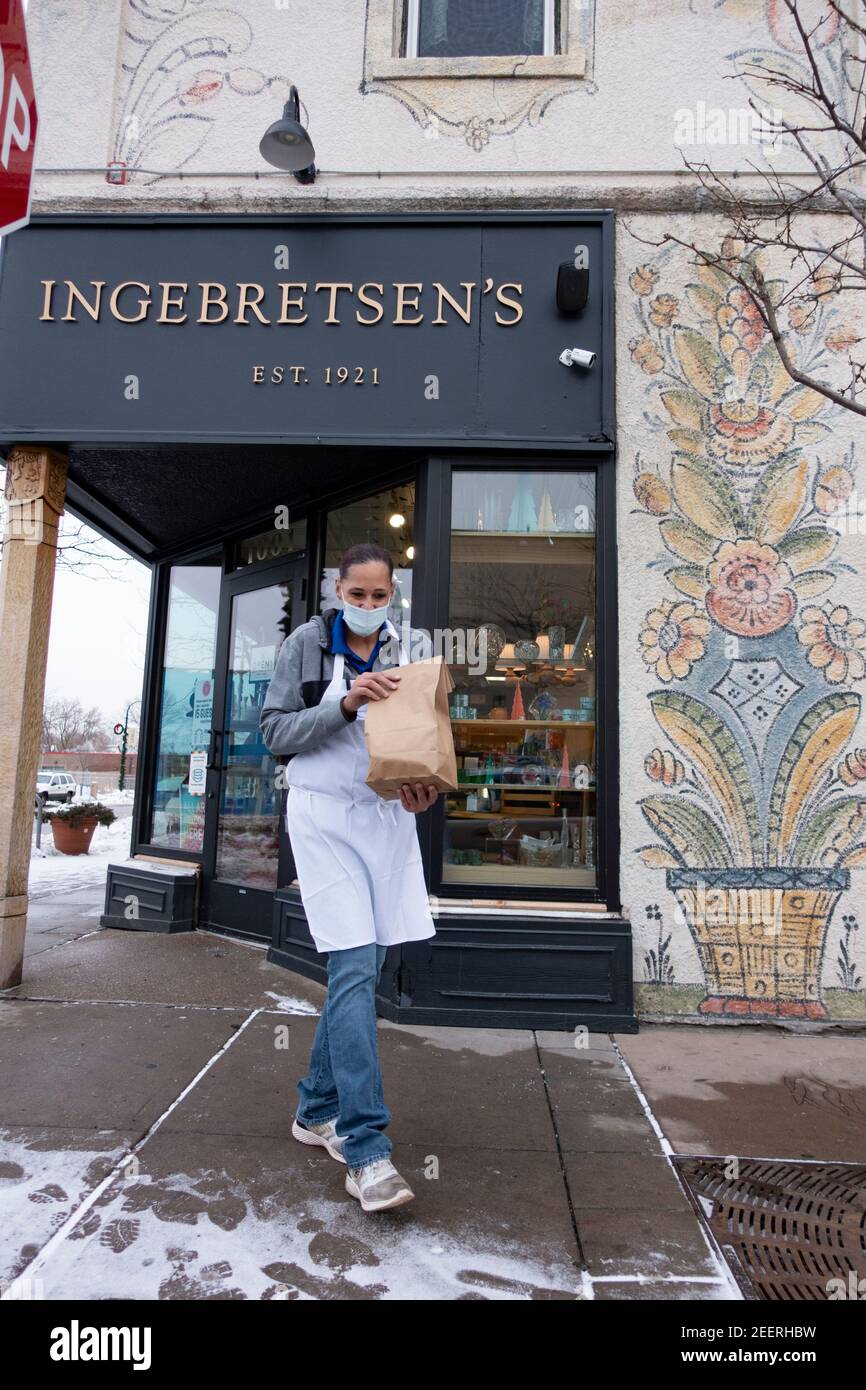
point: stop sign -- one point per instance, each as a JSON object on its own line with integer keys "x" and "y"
{"x": 17, "y": 118}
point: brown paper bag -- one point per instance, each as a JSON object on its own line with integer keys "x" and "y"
{"x": 409, "y": 735}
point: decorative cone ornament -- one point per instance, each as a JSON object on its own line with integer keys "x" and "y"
{"x": 517, "y": 710}
{"x": 564, "y": 773}
{"x": 546, "y": 518}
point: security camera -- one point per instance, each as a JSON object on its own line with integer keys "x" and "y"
{"x": 576, "y": 357}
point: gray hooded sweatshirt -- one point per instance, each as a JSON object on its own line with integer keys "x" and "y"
{"x": 293, "y": 719}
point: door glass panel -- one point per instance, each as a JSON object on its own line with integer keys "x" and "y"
{"x": 523, "y": 564}
{"x": 250, "y": 801}
{"x": 186, "y": 703}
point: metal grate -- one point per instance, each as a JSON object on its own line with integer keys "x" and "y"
{"x": 786, "y": 1229}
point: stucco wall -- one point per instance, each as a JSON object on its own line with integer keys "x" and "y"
{"x": 742, "y": 640}
{"x": 192, "y": 84}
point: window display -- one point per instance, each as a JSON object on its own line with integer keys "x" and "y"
{"x": 523, "y": 572}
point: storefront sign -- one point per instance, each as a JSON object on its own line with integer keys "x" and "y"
{"x": 324, "y": 329}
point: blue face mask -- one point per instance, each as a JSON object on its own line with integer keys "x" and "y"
{"x": 364, "y": 621}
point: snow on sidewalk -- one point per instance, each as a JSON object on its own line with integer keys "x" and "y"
{"x": 53, "y": 872}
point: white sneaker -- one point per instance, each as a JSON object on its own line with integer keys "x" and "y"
{"x": 324, "y": 1134}
{"x": 378, "y": 1185}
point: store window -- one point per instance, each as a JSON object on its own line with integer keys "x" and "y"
{"x": 186, "y": 703}
{"x": 479, "y": 28}
{"x": 523, "y": 571}
{"x": 388, "y": 519}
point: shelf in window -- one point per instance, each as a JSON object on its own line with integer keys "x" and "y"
{"x": 528, "y": 723}
{"x": 584, "y": 876}
{"x": 523, "y": 787}
{"x": 527, "y": 535}
{"x": 561, "y": 667}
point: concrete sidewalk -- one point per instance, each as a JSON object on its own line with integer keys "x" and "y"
{"x": 146, "y": 1097}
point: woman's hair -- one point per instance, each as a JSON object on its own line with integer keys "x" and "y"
{"x": 362, "y": 554}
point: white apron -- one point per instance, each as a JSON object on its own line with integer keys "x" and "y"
{"x": 357, "y": 856}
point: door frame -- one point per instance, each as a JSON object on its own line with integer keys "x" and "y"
{"x": 243, "y": 911}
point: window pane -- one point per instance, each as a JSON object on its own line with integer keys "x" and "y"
{"x": 523, "y": 567}
{"x": 477, "y": 28}
{"x": 386, "y": 518}
{"x": 186, "y": 704}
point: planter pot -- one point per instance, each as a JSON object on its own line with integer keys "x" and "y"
{"x": 73, "y": 839}
{"x": 760, "y": 935}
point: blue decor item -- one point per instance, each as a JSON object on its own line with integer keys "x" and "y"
{"x": 522, "y": 516}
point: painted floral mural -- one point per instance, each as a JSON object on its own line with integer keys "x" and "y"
{"x": 758, "y": 811}
{"x": 182, "y": 72}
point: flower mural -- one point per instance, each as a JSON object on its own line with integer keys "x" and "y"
{"x": 759, "y": 812}
{"x": 182, "y": 75}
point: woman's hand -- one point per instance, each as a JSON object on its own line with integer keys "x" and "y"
{"x": 370, "y": 685}
{"x": 419, "y": 799}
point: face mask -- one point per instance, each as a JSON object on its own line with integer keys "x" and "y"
{"x": 364, "y": 621}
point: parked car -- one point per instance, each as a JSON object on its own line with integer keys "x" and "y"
{"x": 54, "y": 786}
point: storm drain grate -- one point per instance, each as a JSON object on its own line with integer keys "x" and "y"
{"x": 786, "y": 1229}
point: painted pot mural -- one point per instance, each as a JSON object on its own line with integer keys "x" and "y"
{"x": 760, "y": 809}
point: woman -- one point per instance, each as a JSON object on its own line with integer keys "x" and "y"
{"x": 357, "y": 858}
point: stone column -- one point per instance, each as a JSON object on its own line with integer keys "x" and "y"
{"x": 35, "y": 494}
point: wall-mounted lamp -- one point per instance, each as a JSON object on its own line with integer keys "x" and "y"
{"x": 287, "y": 145}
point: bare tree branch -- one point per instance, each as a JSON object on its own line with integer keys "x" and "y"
{"x": 770, "y": 218}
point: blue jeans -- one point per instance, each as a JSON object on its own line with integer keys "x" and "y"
{"x": 345, "y": 1081}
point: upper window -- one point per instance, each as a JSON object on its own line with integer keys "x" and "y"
{"x": 479, "y": 28}
{"x": 524, "y": 40}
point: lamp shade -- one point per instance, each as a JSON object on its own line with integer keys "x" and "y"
{"x": 286, "y": 144}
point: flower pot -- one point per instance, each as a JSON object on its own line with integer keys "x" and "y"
{"x": 73, "y": 839}
{"x": 760, "y": 936}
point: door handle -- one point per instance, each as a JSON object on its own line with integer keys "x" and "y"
{"x": 212, "y": 750}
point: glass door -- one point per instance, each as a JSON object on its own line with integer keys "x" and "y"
{"x": 244, "y": 797}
